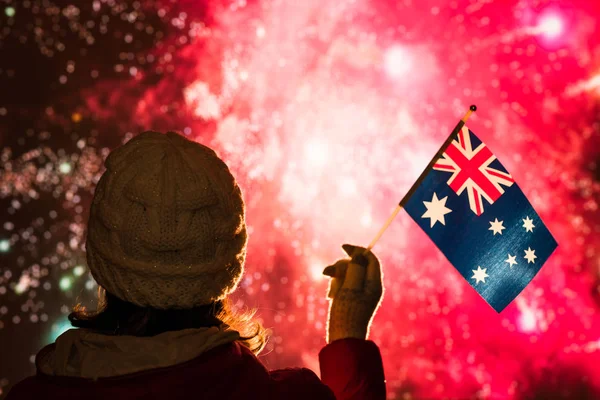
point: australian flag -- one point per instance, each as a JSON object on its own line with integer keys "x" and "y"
{"x": 480, "y": 219}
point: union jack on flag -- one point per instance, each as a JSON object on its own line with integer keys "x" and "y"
{"x": 491, "y": 235}
{"x": 471, "y": 170}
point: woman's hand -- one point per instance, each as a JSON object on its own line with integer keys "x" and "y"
{"x": 356, "y": 291}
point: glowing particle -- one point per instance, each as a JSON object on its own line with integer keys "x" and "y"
{"x": 316, "y": 270}
{"x": 91, "y": 284}
{"x": 65, "y": 168}
{"x": 78, "y": 270}
{"x": 551, "y": 26}
{"x": 76, "y": 117}
{"x": 527, "y": 321}
{"x": 348, "y": 186}
{"x": 9, "y": 11}
{"x": 366, "y": 220}
{"x": 65, "y": 283}
{"x": 202, "y": 101}
{"x": 260, "y": 32}
{"x": 19, "y": 289}
{"x": 316, "y": 153}
{"x": 4, "y": 246}
{"x": 397, "y": 62}
{"x": 23, "y": 284}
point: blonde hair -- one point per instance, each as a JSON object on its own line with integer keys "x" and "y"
{"x": 118, "y": 317}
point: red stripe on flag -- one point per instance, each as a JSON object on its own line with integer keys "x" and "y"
{"x": 492, "y": 172}
{"x": 461, "y": 139}
{"x": 477, "y": 203}
{"x": 449, "y": 167}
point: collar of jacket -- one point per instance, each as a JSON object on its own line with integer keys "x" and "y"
{"x": 86, "y": 354}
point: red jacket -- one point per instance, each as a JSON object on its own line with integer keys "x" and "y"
{"x": 350, "y": 369}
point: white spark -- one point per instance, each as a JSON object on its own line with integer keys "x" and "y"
{"x": 551, "y": 26}
{"x": 398, "y": 62}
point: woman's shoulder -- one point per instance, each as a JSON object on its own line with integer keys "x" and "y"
{"x": 299, "y": 383}
{"x": 229, "y": 371}
{"x": 292, "y": 383}
{"x": 28, "y": 388}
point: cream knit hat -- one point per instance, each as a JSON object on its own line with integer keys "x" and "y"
{"x": 166, "y": 225}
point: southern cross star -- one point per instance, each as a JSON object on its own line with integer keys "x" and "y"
{"x": 528, "y": 224}
{"x": 479, "y": 274}
{"x": 512, "y": 260}
{"x": 530, "y": 255}
{"x": 496, "y": 226}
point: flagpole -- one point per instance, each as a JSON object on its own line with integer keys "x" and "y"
{"x": 414, "y": 187}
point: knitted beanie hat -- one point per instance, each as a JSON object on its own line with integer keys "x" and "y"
{"x": 166, "y": 226}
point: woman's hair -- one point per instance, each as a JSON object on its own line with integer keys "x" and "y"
{"x": 118, "y": 317}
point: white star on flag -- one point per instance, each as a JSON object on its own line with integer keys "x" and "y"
{"x": 436, "y": 209}
{"x": 496, "y": 226}
{"x": 528, "y": 224}
{"x": 512, "y": 260}
{"x": 530, "y": 255}
{"x": 480, "y": 274}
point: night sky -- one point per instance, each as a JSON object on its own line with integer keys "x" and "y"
{"x": 326, "y": 112}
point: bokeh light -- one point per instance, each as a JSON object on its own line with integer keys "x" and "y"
{"x": 78, "y": 270}
{"x": 65, "y": 283}
{"x": 398, "y": 62}
{"x": 65, "y": 168}
{"x": 326, "y": 111}
{"x": 551, "y": 25}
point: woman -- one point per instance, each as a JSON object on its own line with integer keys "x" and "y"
{"x": 166, "y": 243}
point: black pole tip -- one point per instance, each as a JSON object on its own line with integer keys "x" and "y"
{"x": 473, "y": 108}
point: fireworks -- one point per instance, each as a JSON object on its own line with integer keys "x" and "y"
{"x": 326, "y": 112}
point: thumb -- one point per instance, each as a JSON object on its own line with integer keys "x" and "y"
{"x": 330, "y": 271}
{"x": 337, "y": 270}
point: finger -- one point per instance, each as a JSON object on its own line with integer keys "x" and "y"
{"x": 334, "y": 287}
{"x": 341, "y": 268}
{"x": 373, "y": 268}
{"x": 355, "y": 277}
{"x": 361, "y": 260}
